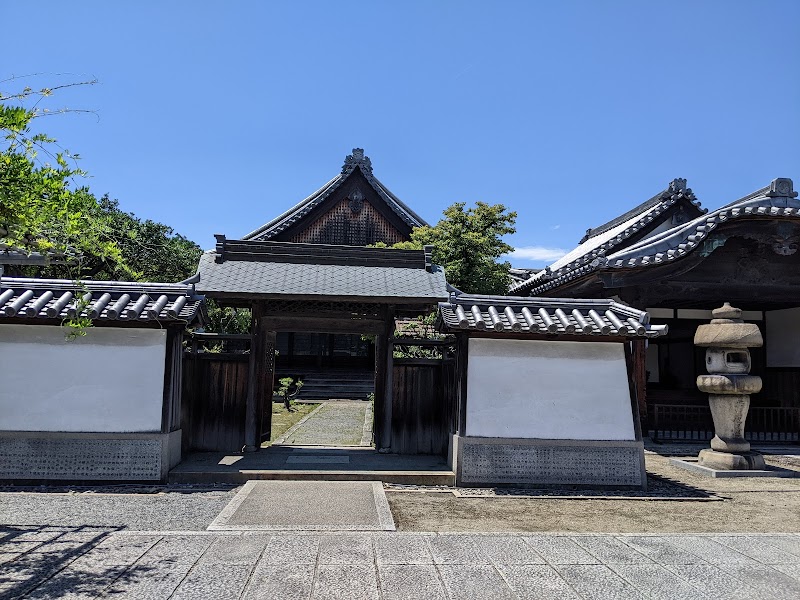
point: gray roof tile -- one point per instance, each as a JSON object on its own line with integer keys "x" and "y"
{"x": 779, "y": 200}
{"x": 33, "y": 298}
{"x": 601, "y": 241}
{"x": 545, "y": 316}
{"x": 333, "y": 281}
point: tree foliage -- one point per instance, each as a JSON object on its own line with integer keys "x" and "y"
{"x": 468, "y": 243}
{"x": 42, "y": 209}
{"x": 226, "y": 319}
{"x": 150, "y": 251}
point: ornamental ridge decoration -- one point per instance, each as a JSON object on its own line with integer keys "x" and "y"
{"x": 357, "y": 159}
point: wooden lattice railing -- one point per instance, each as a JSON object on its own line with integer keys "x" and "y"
{"x": 693, "y": 422}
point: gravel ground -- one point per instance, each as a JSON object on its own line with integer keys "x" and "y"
{"x": 172, "y": 508}
{"x": 748, "y": 505}
{"x": 337, "y": 423}
{"x": 687, "y": 503}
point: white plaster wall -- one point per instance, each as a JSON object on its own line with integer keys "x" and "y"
{"x": 548, "y": 390}
{"x": 783, "y": 338}
{"x": 111, "y": 380}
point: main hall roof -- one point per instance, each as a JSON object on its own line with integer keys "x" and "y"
{"x": 606, "y": 251}
{"x": 355, "y": 161}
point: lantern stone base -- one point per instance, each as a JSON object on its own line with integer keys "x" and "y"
{"x": 745, "y": 461}
{"x": 695, "y": 467}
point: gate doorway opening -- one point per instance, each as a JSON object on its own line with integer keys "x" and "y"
{"x": 324, "y": 390}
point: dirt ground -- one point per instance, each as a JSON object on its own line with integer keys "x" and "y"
{"x": 741, "y": 505}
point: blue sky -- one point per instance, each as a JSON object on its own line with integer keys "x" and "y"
{"x": 216, "y": 117}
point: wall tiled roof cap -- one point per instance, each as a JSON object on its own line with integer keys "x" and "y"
{"x": 545, "y": 316}
{"x": 34, "y": 298}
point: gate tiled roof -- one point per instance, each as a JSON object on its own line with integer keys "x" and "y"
{"x": 243, "y": 268}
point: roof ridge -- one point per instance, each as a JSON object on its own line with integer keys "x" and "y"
{"x": 293, "y": 209}
{"x": 356, "y": 160}
{"x": 680, "y": 240}
{"x": 676, "y": 186}
{"x": 596, "y": 255}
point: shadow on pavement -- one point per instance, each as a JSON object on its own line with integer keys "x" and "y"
{"x": 33, "y": 557}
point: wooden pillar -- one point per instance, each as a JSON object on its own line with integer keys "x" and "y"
{"x": 381, "y": 432}
{"x": 462, "y": 357}
{"x": 635, "y": 377}
{"x": 639, "y": 352}
{"x": 171, "y": 371}
{"x": 259, "y": 378}
{"x": 268, "y": 385}
{"x": 388, "y": 398}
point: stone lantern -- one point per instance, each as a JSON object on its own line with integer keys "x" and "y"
{"x": 727, "y": 339}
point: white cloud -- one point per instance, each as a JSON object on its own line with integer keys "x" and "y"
{"x": 537, "y": 253}
{"x": 554, "y": 227}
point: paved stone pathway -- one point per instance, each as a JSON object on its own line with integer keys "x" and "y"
{"x": 337, "y": 423}
{"x": 53, "y": 562}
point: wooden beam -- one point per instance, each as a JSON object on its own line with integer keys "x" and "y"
{"x": 415, "y": 303}
{"x": 322, "y": 325}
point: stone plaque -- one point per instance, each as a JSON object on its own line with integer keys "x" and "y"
{"x": 80, "y": 458}
{"x": 498, "y": 463}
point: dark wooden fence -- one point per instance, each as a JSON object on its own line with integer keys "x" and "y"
{"x": 423, "y": 409}
{"x": 694, "y": 422}
{"x": 215, "y": 394}
{"x": 423, "y": 405}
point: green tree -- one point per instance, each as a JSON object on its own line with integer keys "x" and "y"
{"x": 468, "y": 243}
{"x": 42, "y": 209}
{"x": 226, "y": 319}
{"x": 150, "y": 251}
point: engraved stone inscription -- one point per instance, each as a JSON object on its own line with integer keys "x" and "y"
{"x": 87, "y": 459}
{"x": 550, "y": 465}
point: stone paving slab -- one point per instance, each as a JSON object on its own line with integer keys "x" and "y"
{"x": 307, "y": 505}
{"x": 389, "y": 565}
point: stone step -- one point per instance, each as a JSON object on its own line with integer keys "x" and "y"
{"x": 360, "y": 384}
{"x": 239, "y": 477}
